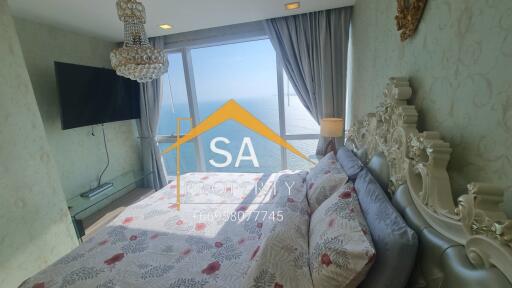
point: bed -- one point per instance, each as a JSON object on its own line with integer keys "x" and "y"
{"x": 401, "y": 224}
{"x": 222, "y": 221}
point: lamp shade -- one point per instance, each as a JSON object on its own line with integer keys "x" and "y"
{"x": 332, "y": 127}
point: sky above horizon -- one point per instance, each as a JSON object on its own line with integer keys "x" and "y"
{"x": 245, "y": 72}
{"x": 239, "y": 71}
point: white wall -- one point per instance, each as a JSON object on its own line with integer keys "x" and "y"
{"x": 35, "y": 227}
{"x": 80, "y": 157}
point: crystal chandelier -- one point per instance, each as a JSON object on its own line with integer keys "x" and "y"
{"x": 137, "y": 59}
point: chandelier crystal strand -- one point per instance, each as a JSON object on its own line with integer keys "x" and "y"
{"x": 137, "y": 59}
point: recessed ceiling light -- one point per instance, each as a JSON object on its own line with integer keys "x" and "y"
{"x": 292, "y": 5}
{"x": 166, "y": 26}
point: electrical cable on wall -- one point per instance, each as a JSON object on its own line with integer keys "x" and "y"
{"x": 106, "y": 151}
{"x": 170, "y": 93}
{"x": 288, "y": 91}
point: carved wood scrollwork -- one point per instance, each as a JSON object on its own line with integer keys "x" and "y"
{"x": 420, "y": 161}
{"x": 408, "y": 17}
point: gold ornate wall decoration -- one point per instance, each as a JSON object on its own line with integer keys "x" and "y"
{"x": 408, "y": 17}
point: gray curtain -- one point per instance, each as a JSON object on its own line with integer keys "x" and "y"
{"x": 150, "y": 101}
{"x": 313, "y": 48}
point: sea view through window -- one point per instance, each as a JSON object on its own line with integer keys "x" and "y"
{"x": 201, "y": 80}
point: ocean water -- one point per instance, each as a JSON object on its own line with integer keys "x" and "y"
{"x": 268, "y": 153}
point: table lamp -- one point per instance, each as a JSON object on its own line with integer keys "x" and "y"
{"x": 331, "y": 128}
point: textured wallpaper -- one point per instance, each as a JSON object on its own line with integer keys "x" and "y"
{"x": 35, "y": 227}
{"x": 80, "y": 157}
{"x": 460, "y": 65}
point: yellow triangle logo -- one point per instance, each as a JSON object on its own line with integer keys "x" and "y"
{"x": 233, "y": 111}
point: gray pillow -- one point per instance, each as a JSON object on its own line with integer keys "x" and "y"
{"x": 396, "y": 244}
{"x": 349, "y": 162}
{"x": 362, "y": 154}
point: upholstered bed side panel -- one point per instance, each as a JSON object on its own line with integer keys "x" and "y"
{"x": 465, "y": 274}
{"x": 440, "y": 261}
{"x": 403, "y": 203}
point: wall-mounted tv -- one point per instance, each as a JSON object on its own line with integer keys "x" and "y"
{"x": 90, "y": 96}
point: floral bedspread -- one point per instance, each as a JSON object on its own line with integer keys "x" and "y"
{"x": 218, "y": 238}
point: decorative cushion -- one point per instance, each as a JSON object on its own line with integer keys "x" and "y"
{"x": 340, "y": 248}
{"x": 396, "y": 244}
{"x": 349, "y": 162}
{"x": 321, "y": 189}
{"x": 326, "y": 165}
{"x": 323, "y": 180}
{"x": 282, "y": 258}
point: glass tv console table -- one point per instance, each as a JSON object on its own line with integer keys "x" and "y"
{"x": 123, "y": 185}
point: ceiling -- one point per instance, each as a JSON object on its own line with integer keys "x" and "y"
{"x": 99, "y": 18}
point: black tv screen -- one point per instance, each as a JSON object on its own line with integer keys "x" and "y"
{"x": 90, "y": 96}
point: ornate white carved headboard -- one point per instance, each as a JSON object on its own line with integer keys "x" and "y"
{"x": 420, "y": 160}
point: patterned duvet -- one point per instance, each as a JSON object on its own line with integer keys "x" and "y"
{"x": 233, "y": 230}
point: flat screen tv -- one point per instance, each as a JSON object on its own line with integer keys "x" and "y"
{"x": 90, "y": 96}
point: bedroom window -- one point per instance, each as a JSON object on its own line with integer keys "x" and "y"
{"x": 300, "y": 129}
{"x": 175, "y": 104}
{"x": 245, "y": 72}
{"x": 204, "y": 77}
